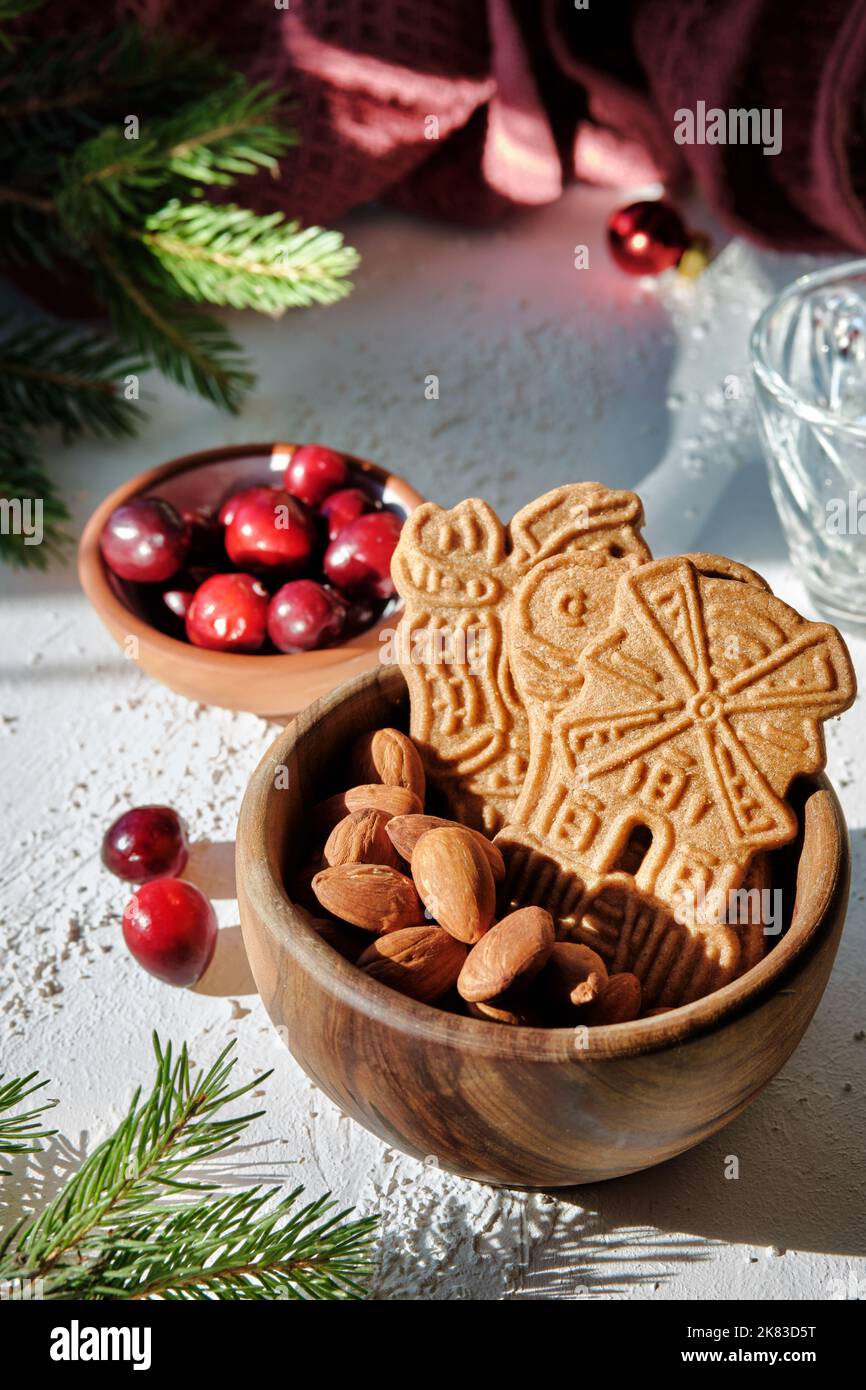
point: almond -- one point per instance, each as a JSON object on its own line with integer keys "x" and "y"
{"x": 360, "y": 838}
{"x": 405, "y": 832}
{"x": 455, "y": 881}
{"x": 499, "y": 1013}
{"x": 388, "y": 756}
{"x": 574, "y": 974}
{"x": 422, "y": 962}
{"x": 618, "y": 1001}
{"x": 371, "y": 796}
{"x": 509, "y": 956}
{"x": 371, "y": 896}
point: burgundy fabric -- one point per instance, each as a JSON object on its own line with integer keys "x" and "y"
{"x": 531, "y": 94}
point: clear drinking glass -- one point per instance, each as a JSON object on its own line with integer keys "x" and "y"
{"x": 809, "y": 364}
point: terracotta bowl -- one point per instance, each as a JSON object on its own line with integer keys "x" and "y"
{"x": 520, "y": 1106}
{"x": 274, "y": 686}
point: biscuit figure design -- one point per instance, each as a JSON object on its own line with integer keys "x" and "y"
{"x": 455, "y": 571}
{"x": 662, "y": 777}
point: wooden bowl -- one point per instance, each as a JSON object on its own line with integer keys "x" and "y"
{"x": 273, "y": 686}
{"x": 520, "y": 1106}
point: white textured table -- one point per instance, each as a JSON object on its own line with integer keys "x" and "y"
{"x": 546, "y": 374}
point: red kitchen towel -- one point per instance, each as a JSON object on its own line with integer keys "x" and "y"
{"x": 468, "y": 108}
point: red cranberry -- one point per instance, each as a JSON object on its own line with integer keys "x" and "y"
{"x": 313, "y": 472}
{"x": 359, "y": 560}
{"x": 177, "y": 601}
{"x": 205, "y": 536}
{"x": 144, "y": 843}
{"x": 343, "y": 506}
{"x": 144, "y": 539}
{"x": 362, "y": 613}
{"x": 171, "y": 929}
{"x": 246, "y": 494}
{"x": 277, "y": 533}
{"x": 304, "y": 615}
{"x": 229, "y": 613}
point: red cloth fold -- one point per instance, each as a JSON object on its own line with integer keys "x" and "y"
{"x": 468, "y": 108}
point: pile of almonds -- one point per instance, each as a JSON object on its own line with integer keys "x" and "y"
{"x": 412, "y": 900}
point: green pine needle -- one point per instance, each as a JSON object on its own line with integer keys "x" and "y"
{"x": 112, "y": 178}
{"x": 227, "y": 134}
{"x": 66, "y": 84}
{"x": 108, "y": 180}
{"x": 186, "y": 345}
{"x": 23, "y": 478}
{"x": 80, "y": 181}
{"x": 51, "y": 374}
{"x": 11, "y": 10}
{"x": 232, "y": 1248}
{"x": 124, "y": 1226}
{"x": 19, "y": 1134}
{"x": 229, "y": 256}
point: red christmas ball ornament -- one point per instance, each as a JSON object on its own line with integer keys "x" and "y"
{"x": 647, "y": 238}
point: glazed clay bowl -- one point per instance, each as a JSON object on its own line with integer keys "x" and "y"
{"x": 275, "y": 686}
{"x": 520, "y": 1106}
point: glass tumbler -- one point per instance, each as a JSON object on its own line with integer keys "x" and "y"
{"x": 809, "y": 364}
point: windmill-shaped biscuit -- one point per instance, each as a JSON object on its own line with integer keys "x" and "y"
{"x": 455, "y": 571}
{"x": 658, "y": 782}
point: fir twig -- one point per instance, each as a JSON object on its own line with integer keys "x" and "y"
{"x": 124, "y": 1227}
{"x": 227, "y": 134}
{"x": 23, "y": 479}
{"x": 111, "y": 179}
{"x": 229, "y": 256}
{"x": 187, "y": 346}
{"x": 19, "y": 1134}
{"x": 91, "y": 77}
{"x": 11, "y": 10}
{"x": 129, "y": 214}
{"x": 231, "y": 1248}
{"x": 50, "y": 374}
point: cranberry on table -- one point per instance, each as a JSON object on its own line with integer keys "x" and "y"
{"x": 343, "y": 506}
{"x": 144, "y": 843}
{"x": 314, "y": 472}
{"x": 229, "y": 613}
{"x": 359, "y": 560}
{"x": 258, "y": 493}
{"x": 304, "y": 615}
{"x": 171, "y": 929}
{"x": 145, "y": 539}
{"x": 275, "y": 532}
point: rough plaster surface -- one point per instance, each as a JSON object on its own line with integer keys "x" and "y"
{"x": 546, "y": 374}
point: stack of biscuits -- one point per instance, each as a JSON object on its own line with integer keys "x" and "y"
{"x": 625, "y": 729}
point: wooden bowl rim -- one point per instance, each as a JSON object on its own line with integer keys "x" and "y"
{"x": 94, "y": 581}
{"x": 261, "y": 889}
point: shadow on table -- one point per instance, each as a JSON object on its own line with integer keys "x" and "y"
{"x": 34, "y": 1179}
{"x": 456, "y": 1249}
{"x": 211, "y": 867}
{"x": 799, "y": 1146}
